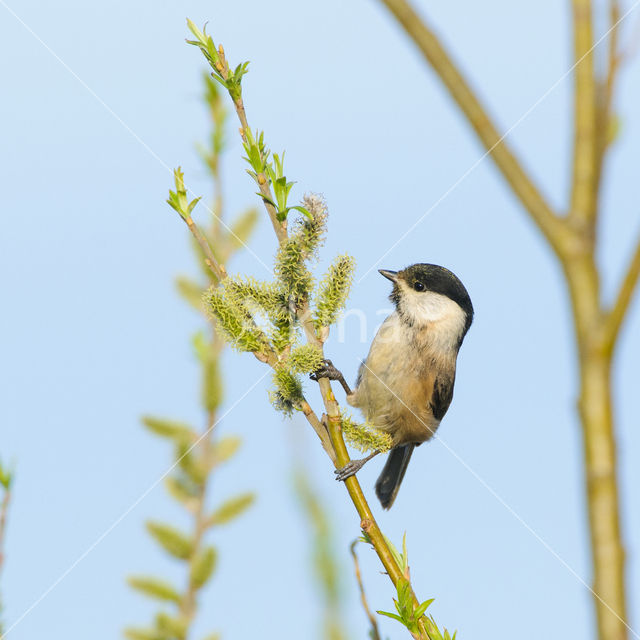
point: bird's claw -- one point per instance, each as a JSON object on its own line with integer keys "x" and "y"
{"x": 349, "y": 469}
{"x": 327, "y": 370}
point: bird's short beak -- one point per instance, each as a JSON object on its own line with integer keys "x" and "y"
{"x": 390, "y": 275}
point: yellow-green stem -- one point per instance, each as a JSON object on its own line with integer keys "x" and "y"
{"x": 602, "y": 497}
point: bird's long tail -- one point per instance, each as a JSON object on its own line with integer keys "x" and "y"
{"x": 389, "y": 481}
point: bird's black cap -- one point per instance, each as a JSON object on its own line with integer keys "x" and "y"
{"x": 434, "y": 278}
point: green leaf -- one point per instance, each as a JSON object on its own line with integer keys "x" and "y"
{"x": 6, "y": 477}
{"x": 202, "y": 567}
{"x": 266, "y": 199}
{"x": 219, "y": 80}
{"x": 192, "y": 204}
{"x": 201, "y": 345}
{"x": 226, "y": 447}
{"x": 391, "y": 615}
{"x": 405, "y": 600}
{"x": 211, "y": 378}
{"x": 419, "y": 612}
{"x": 172, "y": 627}
{"x": 138, "y": 633}
{"x": 303, "y": 211}
{"x": 242, "y": 228}
{"x": 231, "y": 509}
{"x": 154, "y": 588}
{"x": 178, "y": 431}
{"x": 182, "y": 490}
{"x": 194, "y": 467}
{"x": 394, "y": 552}
{"x": 191, "y": 291}
{"x": 405, "y": 553}
{"x": 196, "y": 32}
{"x": 171, "y": 540}
{"x": 365, "y": 538}
{"x": 178, "y": 199}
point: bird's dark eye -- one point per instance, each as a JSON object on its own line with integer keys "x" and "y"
{"x": 418, "y": 286}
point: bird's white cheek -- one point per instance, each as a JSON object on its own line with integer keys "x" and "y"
{"x": 430, "y": 307}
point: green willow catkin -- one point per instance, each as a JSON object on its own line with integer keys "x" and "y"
{"x": 333, "y": 291}
{"x": 365, "y": 437}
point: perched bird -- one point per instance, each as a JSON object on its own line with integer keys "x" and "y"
{"x": 405, "y": 385}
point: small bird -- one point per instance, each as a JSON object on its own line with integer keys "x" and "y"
{"x": 405, "y": 385}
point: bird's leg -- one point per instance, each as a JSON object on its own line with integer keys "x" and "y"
{"x": 327, "y": 370}
{"x": 353, "y": 466}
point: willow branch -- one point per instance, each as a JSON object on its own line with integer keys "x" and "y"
{"x": 604, "y": 107}
{"x": 188, "y": 604}
{"x": 269, "y": 357}
{"x": 585, "y": 139}
{"x": 477, "y": 115}
{"x": 617, "y": 313}
{"x": 374, "y": 633}
{"x": 334, "y": 423}
{"x": 320, "y": 429}
{"x": 340, "y": 456}
{"x": 368, "y": 523}
{"x": 630, "y": 49}
{"x": 217, "y": 269}
{"x": 4, "y": 508}
{"x": 280, "y": 228}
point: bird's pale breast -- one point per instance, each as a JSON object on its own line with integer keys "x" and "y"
{"x": 396, "y": 382}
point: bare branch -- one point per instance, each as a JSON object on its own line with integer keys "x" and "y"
{"x": 217, "y": 269}
{"x": 374, "y": 633}
{"x": 618, "y": 311}
{"x": 605, "y": 118}
{"x": 583, "y": 186}
{"x": 630, "y": 49}
{"x": 320, "y": 429}
{"x": 477, "y": 115}
{"x": 4, "y": 508}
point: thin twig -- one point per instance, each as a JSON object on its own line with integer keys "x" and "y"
{"x": 319, "y": 428}
{"x": 188, "y": 603}
{"x": 632, "y": 45}
{"x": 604, "y": 105}
{"x": 375, "y": 633}
{"x": 280, "y": 228}
{"x": 217, "y": 269}
{"x": 618, "y": 311}
{"x": 583, "y": 185}
{"x": 4, "y": 509}
{"x": 614, "y": 61}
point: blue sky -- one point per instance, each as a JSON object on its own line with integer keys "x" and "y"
{"x": 101, "y": 102}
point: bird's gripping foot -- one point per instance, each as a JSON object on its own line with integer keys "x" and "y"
{"x": 327, "y": 370}
{"x": 352, "y": 467}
